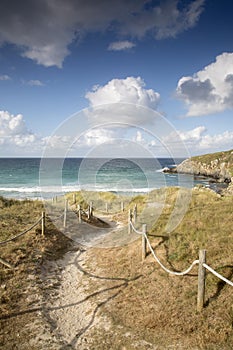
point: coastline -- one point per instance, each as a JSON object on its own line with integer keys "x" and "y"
{"x": 23, "y": 178}
{"x": 216, "y": 168}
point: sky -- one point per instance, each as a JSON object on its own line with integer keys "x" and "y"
{"x": 81, "y": 78}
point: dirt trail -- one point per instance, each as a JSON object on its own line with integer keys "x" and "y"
{"x": 72, "y": 312}
{"x": 75, "y": 313}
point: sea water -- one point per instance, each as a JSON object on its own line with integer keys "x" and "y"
{"x": 45, "y": 178}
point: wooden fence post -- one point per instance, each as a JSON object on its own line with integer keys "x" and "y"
{"x": 122, "y": 206}
{"x": 79, "y": 214}
{"x": 65, "y": 212}
{"x": 91, "y": 208}
{"x": 201, "y": 280}
{"x": 43, "y": 223}
{"x": 106, "y": 207}
{"x": 144, "y": 230}
{"x": 74, "y": 198}
{"x": 129, "y": 221}
{"x": 135, "y": 213}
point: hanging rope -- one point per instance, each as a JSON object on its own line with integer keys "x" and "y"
{"x": 22, "y": 233}
{"x": 195, "y": 262}
{"x": 217, "y": 274}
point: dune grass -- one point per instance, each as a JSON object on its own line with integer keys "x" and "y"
{"x": 20, "y": 287}
{"x": 161, "y": 307}
{"x": 156, "y": 307}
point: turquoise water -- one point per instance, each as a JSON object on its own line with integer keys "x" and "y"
{"x": 36, "y": 178}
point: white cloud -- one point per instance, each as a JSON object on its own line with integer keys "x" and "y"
{"x": 43, "y": 30}
{"x": 11, "y": 125}
{"x": 95, "y": 137}
{"x": 198, "y": 141}
{"x": 193, "y": 135}
{"x": 219, "y": 141}
{"x": 116, "y": 102}
{"x": 129, "y": 90}
{"x": 34, "y": 83}
{"x": 209, "y": 90}
{"x": 15, "y": 138}
{"x": 5, "y": 77}
{"x": 121, "y": 45}
{"x": 57, "y": 142}
{"x": 139, "y": 137}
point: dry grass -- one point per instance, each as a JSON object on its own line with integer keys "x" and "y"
{"x": 152, "y": 305}
{"x": 27, "y": 254}
{"x": 162, "y": 308}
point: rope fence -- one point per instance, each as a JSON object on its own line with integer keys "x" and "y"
{"x": 132, "y": 217}
{"x": 22, "y": 233}
{"x": 80, "y": 212}
{"x": 40, "y": 220}
{"x": 105, "y": 210}
{"x": 217, "y": 274}
{"x": 201, "y": 262}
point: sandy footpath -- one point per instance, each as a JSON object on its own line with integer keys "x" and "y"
{"x": 75, "y": 313}
{"x": 77, "y": 298}
{"x": 76, "y": 295}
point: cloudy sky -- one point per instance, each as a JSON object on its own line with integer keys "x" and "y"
{"x": 157, "y": 73}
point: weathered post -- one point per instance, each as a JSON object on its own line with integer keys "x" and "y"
{"x": 201, "y": 280}
{"x": 144, "y": 232}
{"x": 129, "y": 221}
{"x": 65, "y": 212}
{"x": 79, "y": 214}
{"x": 122, "y": 206}
{"x": 43, "y": 223}
{"x": 106, "y": 207}
{"x": 91, "y": 208}
{"x": 135, "y": 213}
{"x": 74, "y": 198}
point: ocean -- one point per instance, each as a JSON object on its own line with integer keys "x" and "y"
{"x": 32, "y": 178}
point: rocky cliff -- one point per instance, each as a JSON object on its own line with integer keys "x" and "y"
{"x": 218, "y": 166}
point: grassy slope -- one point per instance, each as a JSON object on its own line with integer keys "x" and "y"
{"x": 19, "y": 287}
{"x": 162, "y": 308}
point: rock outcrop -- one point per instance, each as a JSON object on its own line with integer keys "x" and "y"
{"x": 218, "y": 166}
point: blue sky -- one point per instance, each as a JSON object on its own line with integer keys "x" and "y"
{"x": 171, "y": 57}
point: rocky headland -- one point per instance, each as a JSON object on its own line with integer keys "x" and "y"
{"x": 216, "y": 166}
